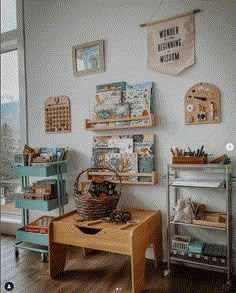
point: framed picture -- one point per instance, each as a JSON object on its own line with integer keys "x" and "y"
{"x": 88, "y": 58}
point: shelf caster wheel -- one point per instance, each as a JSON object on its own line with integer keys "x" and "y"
{"x": 16, "y": 252}
{"x": 166, "y": 274}
{"x": 227, "y": 287}
{"x": 44, "y": 257}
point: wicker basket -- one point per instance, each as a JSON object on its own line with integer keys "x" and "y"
{"x": 92, "y": 208}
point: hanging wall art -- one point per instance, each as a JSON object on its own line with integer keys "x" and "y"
{"x": 202, "y": 104}
{"x": 88, "y": 58}
{"x": 171, "y": 43}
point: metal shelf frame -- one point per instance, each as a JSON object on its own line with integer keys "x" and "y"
{"x": 173, "y": 172}
{"x": 55, "y": 169}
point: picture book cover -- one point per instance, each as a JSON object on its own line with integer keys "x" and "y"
{"x": 122, "y": 111}
{"x": 98, "y": 155}
{"x": 54, "y": 183}
{"x": 102, "y": 141}
{"x": 121, "y": 85}
{"x": 141, "y": 85}
{"x": 145, "y": 165}
{"x": 105, "y": 114}
{"x": 123, "y": 162}
{"x": 144, "y": 145}
{"x": 140, "y": 101}
{"x": 107, "y": 101}
{"x": 43, "y": 188}
{"x": 48, "y": 151}
{"x": 125, "y": 145}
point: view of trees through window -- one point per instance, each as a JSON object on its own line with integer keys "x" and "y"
{"x": 8, "y": 15}
{"x": 10, "y": 127}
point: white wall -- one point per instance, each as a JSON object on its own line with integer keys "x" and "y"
{"x": 53, "y": 27}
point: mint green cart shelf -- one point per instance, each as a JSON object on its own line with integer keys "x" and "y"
{"x": 39, "y": 205}
{"x": 30, "y": 237}
{"x": 40, "y": 170}
{"x": 57, "y": 170}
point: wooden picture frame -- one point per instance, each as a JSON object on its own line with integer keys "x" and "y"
{"x": 88, "y": 58}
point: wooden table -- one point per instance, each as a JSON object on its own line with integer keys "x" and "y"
{"x": 117, "y": 238}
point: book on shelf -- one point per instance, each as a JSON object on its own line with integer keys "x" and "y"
{"x": 139, "y": 97}
{"x": 105, "y": 104}
{"x": 120, "y": 85}
{"x": 38, "y": 196}
{"x": 121, "y": 111}
{"x": 39, "y": 226}
{"x": 98, "y": 153}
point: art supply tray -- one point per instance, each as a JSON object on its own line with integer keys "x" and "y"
{"x": 189, "y": 160}
{"x": 212, "y": 219}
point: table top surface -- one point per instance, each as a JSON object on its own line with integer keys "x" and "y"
{"x": 74, "y": 218}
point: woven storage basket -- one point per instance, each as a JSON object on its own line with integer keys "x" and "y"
{"x": 92, "y": 208}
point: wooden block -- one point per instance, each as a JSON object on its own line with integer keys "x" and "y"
{"x": 189, "y": 160}
{"x": 219, "y": 159}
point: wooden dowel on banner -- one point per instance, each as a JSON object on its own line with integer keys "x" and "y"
{"x": 179, "y": 15}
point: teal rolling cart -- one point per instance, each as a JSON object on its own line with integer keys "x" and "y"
{"x": 26, "y": 240}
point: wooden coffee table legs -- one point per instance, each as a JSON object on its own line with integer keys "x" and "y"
{"x": 57, "y": 258}
{"x": 157, "y": 241}
{"x": 149, "y": 234}
{"x": 137, "y": 239}
{"x": 137, "y": 269}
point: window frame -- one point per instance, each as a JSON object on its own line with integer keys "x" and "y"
{"x": 15, "y": 40}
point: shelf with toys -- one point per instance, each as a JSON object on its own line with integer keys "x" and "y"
{"x": 44, "y": 194}
{"x": 186, "y": 214}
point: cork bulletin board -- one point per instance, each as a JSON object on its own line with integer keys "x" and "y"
{"x": 57, "y": 114}
{"x": 202, "y": 104}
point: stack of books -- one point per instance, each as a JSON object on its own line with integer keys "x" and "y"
{"x": 39, "y": 226}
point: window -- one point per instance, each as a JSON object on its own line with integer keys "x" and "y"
{"x": 8, "y": 15}
{"x": 10, "y": 127}
{"x": 13, "y": 133}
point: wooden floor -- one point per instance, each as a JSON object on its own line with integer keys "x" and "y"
{"x": 100, "y": 272}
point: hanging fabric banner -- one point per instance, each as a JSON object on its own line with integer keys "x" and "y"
{"x": 170, "y": 42}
